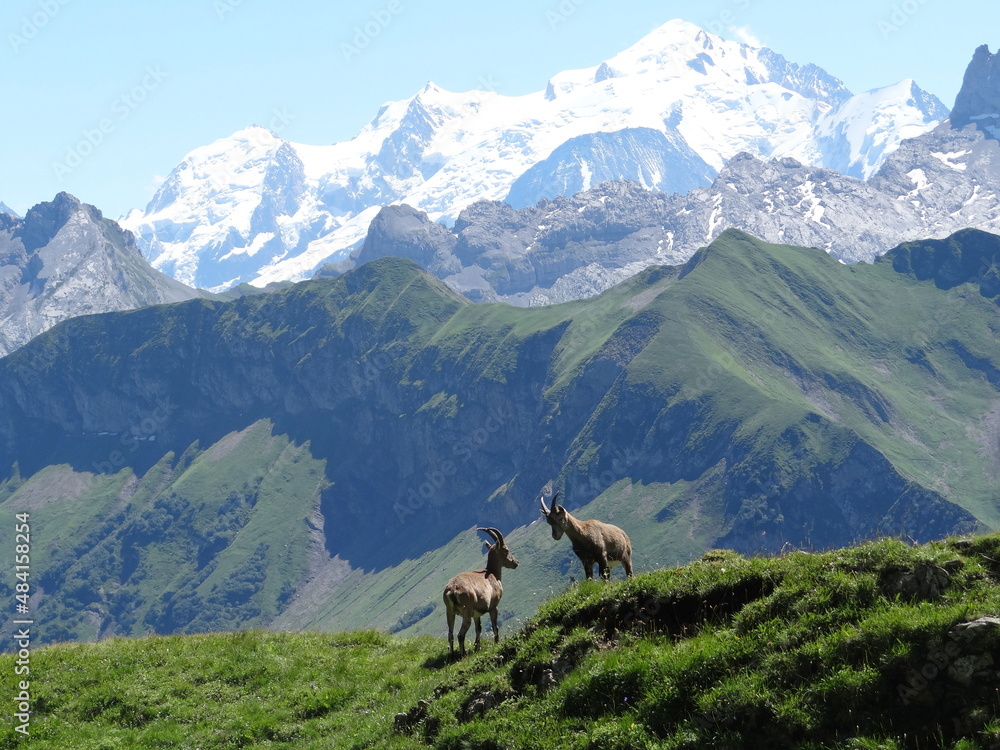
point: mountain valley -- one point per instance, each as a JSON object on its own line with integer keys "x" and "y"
{"x": 294, "y": 453}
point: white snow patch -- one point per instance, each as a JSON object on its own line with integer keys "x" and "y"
{"x": 949, "y": 159}
{"x": 225, "y": 285}
{"x": 974, "y": 196}
{"x": 716, "y": 218}
{"x": 816, "y": 208}
{"x": 918, "y": 178}
{"x": 253, "y": 248}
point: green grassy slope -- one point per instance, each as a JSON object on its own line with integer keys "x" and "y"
{"x": 197, "y": 544}
{"x": 887, "y": 342}
{"x": 855, "y": 648}
{"x": 316, "y": 457}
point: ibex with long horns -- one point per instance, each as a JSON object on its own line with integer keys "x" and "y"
{"x": 593, "y": 541}
{"x": 477, "y": 592}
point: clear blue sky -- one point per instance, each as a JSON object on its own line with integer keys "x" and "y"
{"x": 148, "y": 82}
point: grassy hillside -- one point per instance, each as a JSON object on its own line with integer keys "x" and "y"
{"x": 316, "y": 457}
{"x": 865, "y": 647}
{"x": 196, "y": 545}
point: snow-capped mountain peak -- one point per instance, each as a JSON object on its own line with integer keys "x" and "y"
{"x": 669, "y": 48}
{"x": 668, "y": 112}
{"x": 225, "y": 197}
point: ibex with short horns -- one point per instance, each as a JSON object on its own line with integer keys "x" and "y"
{"x": 477, "y": 592}
{"x": 593, "y": 541}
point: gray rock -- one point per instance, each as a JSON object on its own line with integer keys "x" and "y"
{"x": 574, "y": 247}
{"x": 978, "y": 631}
{"x": 483, "y": 701}
{"x": 978, "y": 101}
{"x": 404, "y": 722}
{"x": 924, "y": 581}
{"x": 965, "y": 668}
{"x": 65, "y": 259}
{"x": 404, "y": 231}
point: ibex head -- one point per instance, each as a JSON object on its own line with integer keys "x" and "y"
{"x": 499, "y": 549}
{"x": 556, "y": 517}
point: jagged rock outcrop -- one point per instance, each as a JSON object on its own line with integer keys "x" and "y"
{"x": 978, "y": 101}
{"x": 65, "y": 259}
{"x": 403, "y": 231}
{"x": 573, "y": 247}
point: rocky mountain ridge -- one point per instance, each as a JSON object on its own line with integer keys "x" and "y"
{"x": 65, "y": 259}
{"x": 573, "y": 247}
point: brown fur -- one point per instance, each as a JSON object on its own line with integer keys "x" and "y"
{"x": 476, "y": 592}
{"x": 593, "y": 541}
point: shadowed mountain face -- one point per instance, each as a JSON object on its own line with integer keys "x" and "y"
{"x": 659, "y": 161}
{"x": 65, "y": 259}
{"x": 217, "y": 464}
{"x": 978, "y": 101}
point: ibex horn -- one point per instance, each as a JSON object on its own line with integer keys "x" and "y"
{"x": 497, "y": 536}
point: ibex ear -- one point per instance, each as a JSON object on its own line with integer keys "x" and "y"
{"x": 487, "y": 545}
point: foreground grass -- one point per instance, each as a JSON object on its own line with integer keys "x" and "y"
{"x": 855, "y": 648}
{"x": 251, "y": 689}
